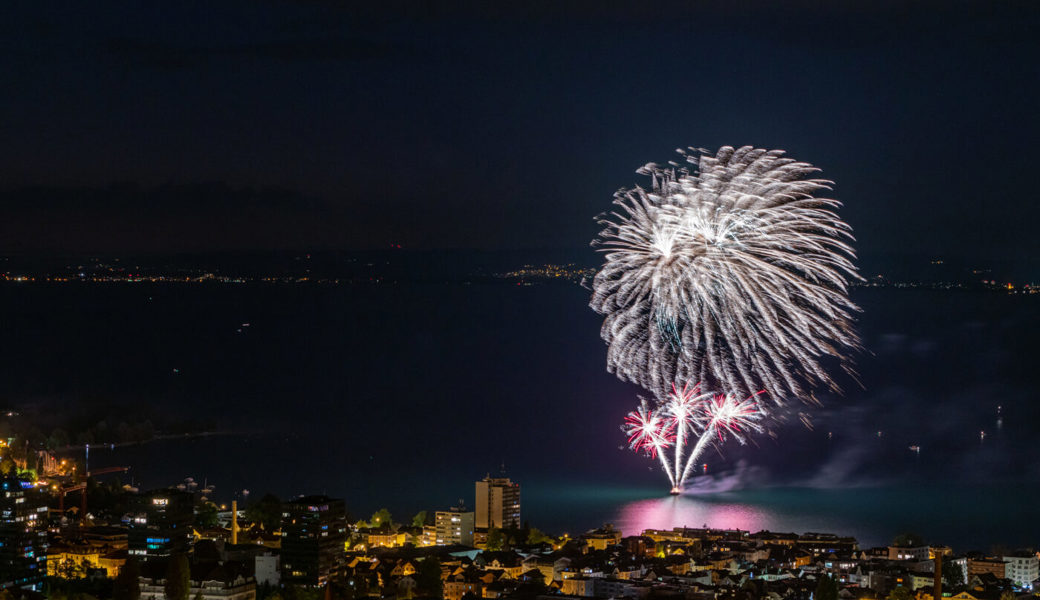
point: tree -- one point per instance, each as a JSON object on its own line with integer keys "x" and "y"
{"x": 70, "y": 569}
{"x": 7, "y": 465}
{"x": 514, "y": 536}
{"x": 178, "y": 578}
{"x": 535, "y": 536}
{"x": 428, "y": 578}
{"x": 206, "y": 515}
{"x": 267, "y": 511}
{"x": 900, "y": 593}
{"x": 826, "y": 588}
{"x": 953, "y": 574}
{"x": 381, "y": 518}
{"x": 127, "y": 585}
{"x": 908, "y": 540}
{"x": 59, "y": 438}
{"x": 495, "y": 539}
{"x": 419, "y": 519}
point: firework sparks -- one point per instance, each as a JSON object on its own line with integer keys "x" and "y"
{"x": 730, "y": 416}
{"x": 721, "y": 417}
{"x": 681, "y": 409}
{"x": 649, "y": 432}
{"x": 688, "y": 414}
{"x": 730, "y": 271}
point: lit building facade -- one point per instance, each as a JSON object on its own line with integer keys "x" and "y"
{"x": 978, "y": 566}
{"x": 23, "y": 534}
{"x": 497, "y": 503}
{"x": 314, "y": 531}
{"x": 454, "y": 526}
{"x": 918, "y": 553}
{"x": 1022, "y": 569}
{"x": 160, "y": 523}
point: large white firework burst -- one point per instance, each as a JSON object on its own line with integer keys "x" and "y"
{"x": 729, "y": 270}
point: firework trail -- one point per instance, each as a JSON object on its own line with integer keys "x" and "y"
{"x": 681, "y": 409}
{"x": 650, "y": 433}
{"x": 730, "y": 271}
{"x": 722, "y": 416}
{"x": 687, "y": 414}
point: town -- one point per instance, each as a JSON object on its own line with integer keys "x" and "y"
{"x": 176, "y": 543}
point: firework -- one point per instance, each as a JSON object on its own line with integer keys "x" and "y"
{"x": 728, "y": 270}
{"x": 685, "y": 415}
{"x": 682, "y": 408}
{"x": 649, "y": 432}
{"x": 720, "y": 417}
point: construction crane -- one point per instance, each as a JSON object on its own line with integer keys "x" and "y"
{"x": 82, "y": 488}
{"x": 79, "y": 487}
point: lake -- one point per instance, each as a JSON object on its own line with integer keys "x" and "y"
{"x": 403, "y": 395}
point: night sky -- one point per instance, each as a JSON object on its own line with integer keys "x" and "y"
{"x": 209, "y": 126}
{"x": 225, "y": 128}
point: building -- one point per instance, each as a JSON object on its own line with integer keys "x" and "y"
{"x": 429, "y": 535}
{"x": 454, "y": 526}
{"x": 160, "y": 523}
{"x": 23, "y": 534}
{"x": 497, "y": 503}
{"x": 77, "y": 560}
{"x": 385, "y": 537}
{"x": 917, "y": 553}
{"x": 457, "y": 586}
{"x": 602, "y": 538}
{"x": 602, "y": 587}
{"x": 1022, "y": 569}
{"x": 979, "y": 566}
{"x": 314, "y": 532}
{"x": 267, "y": 568}
{"x": 209, "y": 581}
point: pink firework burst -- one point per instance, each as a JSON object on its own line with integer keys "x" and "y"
{"x": 726, "y": 415}
{"x": 647, "y": 430}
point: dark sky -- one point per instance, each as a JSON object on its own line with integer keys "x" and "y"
{"x": 196, "y": 126}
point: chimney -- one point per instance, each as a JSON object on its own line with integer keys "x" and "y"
{"x": 234, "y": 522}
{"x": 937, "y": 584}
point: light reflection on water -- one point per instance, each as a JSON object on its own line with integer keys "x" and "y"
{"x": 965, "y": 516}
{"x": 690, "y": 511}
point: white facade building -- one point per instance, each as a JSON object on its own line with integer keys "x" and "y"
{"x": 268, "y": 569}
{"x": 1022, "y": 570}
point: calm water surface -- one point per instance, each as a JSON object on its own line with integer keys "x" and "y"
{"x": 402, "y": 396}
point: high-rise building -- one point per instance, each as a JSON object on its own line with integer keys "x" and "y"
{"x": 497, "y": 503}
{"x": 23, "y": 534}
{"x": 160, "y": 523}
{"x": 314, "y": 531}
{"x": 454, "y": 526}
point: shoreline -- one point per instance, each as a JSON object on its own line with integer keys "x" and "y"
{"x": 79, "y": 448}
